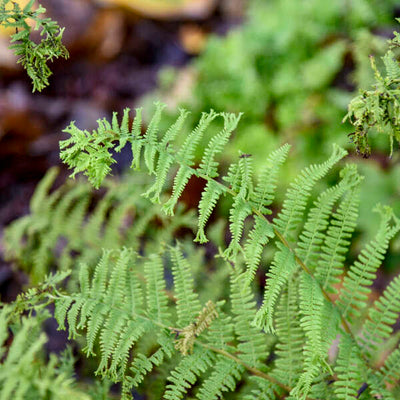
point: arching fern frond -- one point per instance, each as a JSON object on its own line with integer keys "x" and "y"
{"x": 252, "y": 342}
{"x": 294, "y": 205}
{"x": 382, "y": 316}
{"x": 313, "y": 234}
{"x": 337, "y": 240}
{"x": 356, "y": 286}
{"x": 289, "y": 349}
{"x": 350, "y": 369}
{"x": 311, "y": 306}
{"x": 281, "y": 269}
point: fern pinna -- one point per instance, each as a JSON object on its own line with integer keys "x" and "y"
{"x": 277, "y": 350}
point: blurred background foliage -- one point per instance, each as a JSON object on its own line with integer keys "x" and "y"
{"x": 291, "y": 70}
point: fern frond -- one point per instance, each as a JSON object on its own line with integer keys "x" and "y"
{"x": 142, "y": 365}
{"x": 390, "y": 372}
{"x": 264, "y": 191}
{"x": 209, "y": 198}
{"x": 157, "y": 300}
{"x": 281, "y": 269}
{"x": 252, "y": 342}
{"x": 337, "y": 241}
{"x": 187, "y": 303}
{"x": 186, "y": 156}
{"x": 165, "y": 160}
{"x": 356, "y": 286}
{"x": 72, "y": 224}
{"x": 311, "y": 303}
{"x": 289, "y": 348}
{"x": 34, "y": 57}
{"x": 187, "y": 372}
{"x": 313, "y": 234}
{"x": 24, "y": 373}
{"x": 224, "y": 378}
{"x": 258, "y": 238}
{"x": 297, "y": 195}
{"x": 349, "y": 368}
{"x": 382, "y": 316}
{"x": 208, "y": 164}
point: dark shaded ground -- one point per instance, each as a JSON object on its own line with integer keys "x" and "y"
{"x": 115, "y": 56}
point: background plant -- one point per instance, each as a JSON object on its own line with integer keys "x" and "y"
{"x": 33, "y": 57}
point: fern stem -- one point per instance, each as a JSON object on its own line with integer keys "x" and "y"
{"x": 253, "y": 370}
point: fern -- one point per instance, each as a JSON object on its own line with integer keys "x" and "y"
{"x": 24, "y": 373}
{"x": 379, "y": 107}
{"x": 137, "y": 323}
{"x": 33, "y": 57}
{"x": 72, "y": 224}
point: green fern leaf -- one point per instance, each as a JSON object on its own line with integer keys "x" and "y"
{"x": 311, "y": 303}
{"x": 258, "y": 238}
{"x": 382, "y": 316}
{"x": 252, "y": 343}
{"x": 187, "y": 303}
{"x": 187, "y": 372}
{"x": 289, "y": 348}
{"x": 349, "y": 368}
{"x": 224, "y": 378}
{"x": 337, "y": 241}
{"x": 151, "y": 138}
{"x": 297, "y": 195}
{"x": 264, "y": 191}
{"x": 209, "y": 198}
{"x": 313, "y": 234}
{"x": 165, "y": 159}
{"x": 157, "y": 300}
{"x": 208, "y": 165}
{"x": 186, "y": 155}
{"x": 356, "y": 286}
{"x": 281, "y": 269}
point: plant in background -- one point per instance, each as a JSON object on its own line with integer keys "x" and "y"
{"x": 72, "y": 224}
{"x": 378, "y": 108}
{"x": 33, "y": 57}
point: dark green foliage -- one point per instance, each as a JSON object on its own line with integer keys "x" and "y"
{"x": 33, "y": 57}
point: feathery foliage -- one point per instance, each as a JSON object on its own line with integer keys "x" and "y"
{"x": 24, "y": 372}
{"x": 297, "y": 313}
{"x": 72, "y": 224}
{"x": 33, "y": 57}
